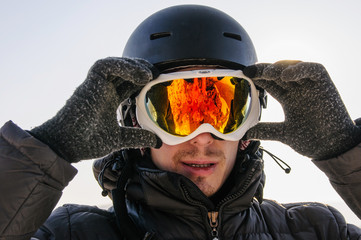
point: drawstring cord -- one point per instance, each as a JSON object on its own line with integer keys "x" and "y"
{"x": 115, "y": 166}
{"x": 101, "y": 177}
{"x": 128, "y": 228}
{"x": 279, "y": 161}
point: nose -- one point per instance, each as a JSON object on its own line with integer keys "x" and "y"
{"x": 202, "y": 139}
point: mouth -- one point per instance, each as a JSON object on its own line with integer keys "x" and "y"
{"x": 199, "y": 169}
{"x": 199, "y": 165}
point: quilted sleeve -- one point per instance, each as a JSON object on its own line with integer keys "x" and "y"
{"x": 344, "y": 173}
{"x": 32, "y": 178}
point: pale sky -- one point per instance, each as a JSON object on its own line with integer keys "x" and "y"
{"x": 47, "y": 47}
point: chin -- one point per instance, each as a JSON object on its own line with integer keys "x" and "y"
{"x": 207, "y": 189}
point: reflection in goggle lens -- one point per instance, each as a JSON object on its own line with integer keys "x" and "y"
{"x": 180, "y": 106}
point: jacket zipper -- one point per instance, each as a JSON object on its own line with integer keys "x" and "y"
{"x": 213, "y": 222}
{"x": 213, "y": 215}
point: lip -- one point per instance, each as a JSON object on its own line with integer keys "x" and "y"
{"x": 199, "y": 168}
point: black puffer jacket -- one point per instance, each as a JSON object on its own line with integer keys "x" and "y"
{"x": 164, "y": 205}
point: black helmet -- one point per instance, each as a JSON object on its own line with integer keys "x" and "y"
{"x": 191, "y": 35}
{"x": 187, "y": 35}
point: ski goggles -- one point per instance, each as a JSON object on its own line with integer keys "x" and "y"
{"x": 181, "y": 105}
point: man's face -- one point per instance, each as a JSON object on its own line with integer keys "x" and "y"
{"x": 203, "y": 159}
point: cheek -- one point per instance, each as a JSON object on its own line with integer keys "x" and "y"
{"x": 231, "y": 153}
{"x": 162, "y": 157}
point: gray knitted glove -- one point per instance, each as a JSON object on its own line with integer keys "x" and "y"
{"x": 86, "y": 127}
{"x": 317, "y": 123}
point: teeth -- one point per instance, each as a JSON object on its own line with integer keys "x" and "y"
{"x": 200, "y": 165}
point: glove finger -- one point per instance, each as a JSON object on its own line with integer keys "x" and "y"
{"x": 266, "y": 131}
{"x": 268, "y": 71}
{"x": 275, "y": 71}
{"x": 155, "y": 71}
{"x": 255, "y": 71}
{"x": 129, "y": 137}
{"x": 133, "y": 70}
{"x": 304, "y": 71}
{"x": 274, "y": 89}
{"x": 119, "y": 138}
{"x": 268, "y": 77}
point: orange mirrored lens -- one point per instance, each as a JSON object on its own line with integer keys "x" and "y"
{"x": 180, "y": 106}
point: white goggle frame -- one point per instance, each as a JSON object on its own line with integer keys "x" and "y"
{"x": 147, "y": 123}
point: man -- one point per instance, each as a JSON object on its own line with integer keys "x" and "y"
{"x": 200, "y": 176}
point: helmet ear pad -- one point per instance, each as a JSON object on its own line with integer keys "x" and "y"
{"x": 191, "y": 35}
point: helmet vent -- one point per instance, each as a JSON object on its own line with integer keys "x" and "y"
{"x": 233, "y": 35}
{"x": 159, "y": 35}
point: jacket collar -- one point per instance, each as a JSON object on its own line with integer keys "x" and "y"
{"x": 159, "y": 189}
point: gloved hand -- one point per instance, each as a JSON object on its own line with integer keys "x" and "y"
{"x": 317, "y": 124}
{"x": 86, "y": 127}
